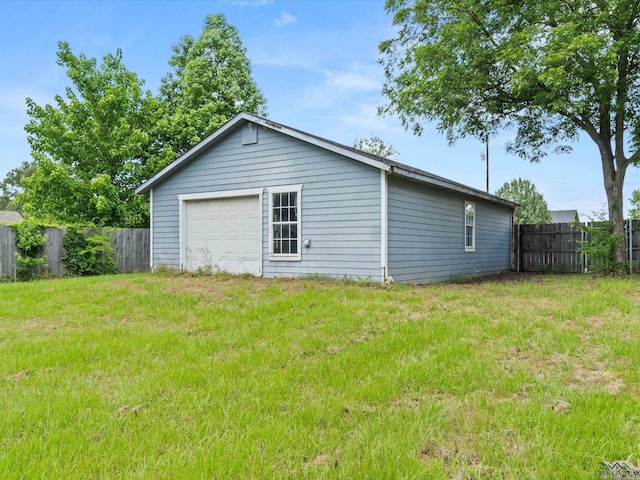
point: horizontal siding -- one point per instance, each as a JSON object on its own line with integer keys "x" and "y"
{"x": 426, "y": 234}
{"x": 340, "y": 203}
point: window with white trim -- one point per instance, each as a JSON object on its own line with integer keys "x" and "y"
{"x": 284, "y": 222}
{"x": 469, "y": 227}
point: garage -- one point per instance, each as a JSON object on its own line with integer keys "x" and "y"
{"x": 222, "y": 234}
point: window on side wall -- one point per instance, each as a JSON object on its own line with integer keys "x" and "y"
{"x": 284, "y": 222}
{"x": 469, "y": 227}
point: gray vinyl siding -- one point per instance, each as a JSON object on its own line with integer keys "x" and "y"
{"x": 340, "y": 202}
{"x": 426, "y": 234}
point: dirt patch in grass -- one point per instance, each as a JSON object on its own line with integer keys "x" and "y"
{"x": 406, "y": 401}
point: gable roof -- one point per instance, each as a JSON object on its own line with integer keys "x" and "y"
{"x": 8, "y": 217}
{"x": 350, "y": 152}
{"x": 563, "y": 216}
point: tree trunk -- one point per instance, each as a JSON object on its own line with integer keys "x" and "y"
{"x": 613, "y": 183}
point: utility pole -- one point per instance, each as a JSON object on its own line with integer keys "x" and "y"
{"x": 485, "y": 158}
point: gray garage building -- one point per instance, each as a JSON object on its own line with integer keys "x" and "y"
{"x": 262, "y": 198}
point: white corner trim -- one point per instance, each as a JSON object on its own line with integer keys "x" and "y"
{"x": 384, "y": 226}
{"x": 182, "y": 214}
{"x": 151, "y": 229}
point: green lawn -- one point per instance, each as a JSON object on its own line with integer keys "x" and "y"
{"x": 150, "y": 376}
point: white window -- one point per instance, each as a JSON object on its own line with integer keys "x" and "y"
{"x": 469, "y": 227}
{"x": 284, "y": 222}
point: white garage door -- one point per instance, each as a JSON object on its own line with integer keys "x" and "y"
{"x": 223, "y": 235}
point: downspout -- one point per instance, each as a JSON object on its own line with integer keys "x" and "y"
{"x": 384, "y": 227}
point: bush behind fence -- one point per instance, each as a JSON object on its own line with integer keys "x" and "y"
{"x": 555, "y": 247}
{"x": 131, "y": 246}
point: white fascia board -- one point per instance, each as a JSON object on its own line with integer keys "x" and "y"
{"x": 318, "y": 142}
{"x": 453, "y": 186}
{"x": 146, "y": 186}
{"x": 336, "y": 149}
{"x": 220, "y": 133}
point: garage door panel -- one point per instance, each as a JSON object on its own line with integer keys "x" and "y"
{"x": 224, "y": 234}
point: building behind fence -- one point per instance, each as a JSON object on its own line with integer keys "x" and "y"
{"x": 131, "y": 246}
{"x": 556, "y": 247}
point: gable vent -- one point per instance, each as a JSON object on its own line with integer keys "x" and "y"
{"x": 250, "y": 134}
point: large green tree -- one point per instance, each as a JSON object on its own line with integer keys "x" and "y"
{"x": 555, "y": 71}
{"x": 90, "y": 147}
{"x": 533, "y": 207}
{"x": 210, "y": 82}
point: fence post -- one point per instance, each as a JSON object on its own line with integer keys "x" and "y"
{"x": 583, "y": 255}
{"x": 630, "y": 244}
{"x": 518, "y": 252}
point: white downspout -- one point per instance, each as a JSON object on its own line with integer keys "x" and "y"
{"x": 384, "y": 227}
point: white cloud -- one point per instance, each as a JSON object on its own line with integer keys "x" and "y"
{"x": 351, "y": 81}
{"x": 364, "y": 119}
{"x": 285, "y": 18}
{"x": 358, "y": 83}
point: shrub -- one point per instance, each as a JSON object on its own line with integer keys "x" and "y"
{"x": 88, "y": 251}
{"x": 600, "y": 246}
{"x": 30, "y": 263}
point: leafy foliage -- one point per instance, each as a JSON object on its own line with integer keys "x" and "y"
{"x": 88, "y": 252}
{"x": 599, "y": 247}
{"x": 210, "y": 82}
{"x": 30, "y": 240}
{"x": 95, "y": 145}
{"x": 376, "y": 146}
{"x": 533, "y": 207}
{"x": 634, "y": 213}
{"x": 552, "y": 70}
{"x": 90, "y": 149}
{"x": 11, "y": 185}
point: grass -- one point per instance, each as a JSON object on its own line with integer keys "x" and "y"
{"x": 143, "y": 376}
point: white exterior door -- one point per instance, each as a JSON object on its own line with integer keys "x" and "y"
{"x": 223, "y": 235}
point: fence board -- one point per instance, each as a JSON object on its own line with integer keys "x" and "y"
{"x": 555, "y": 247}
{"x": 54, "y": 251}
{"x": 131, "y": 245}
{"x": 7, "y": 251}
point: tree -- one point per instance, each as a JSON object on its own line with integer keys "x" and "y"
{"x": 91, "y": 149}
{"x": 210, "y": 82}
{"x": 533, "y": 207}
{"x": 375, "y": 146}
{"x": 553, "y": 70}
{"x": 634, "y": 213}
{"x": 12, "y": 185}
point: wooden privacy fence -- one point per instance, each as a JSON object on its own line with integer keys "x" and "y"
{"x": 131, "y": 246}
{"x": 555, "y": 247}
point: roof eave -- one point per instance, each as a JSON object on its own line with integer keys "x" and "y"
{"x": 230, "y": 125}
{"x": 456, "y": 187}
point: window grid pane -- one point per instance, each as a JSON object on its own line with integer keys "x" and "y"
{"x": 469, "y": 221}
{"x": 285, "y": 223}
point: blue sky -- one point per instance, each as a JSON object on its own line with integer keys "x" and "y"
{"x": 315, "y": 61}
